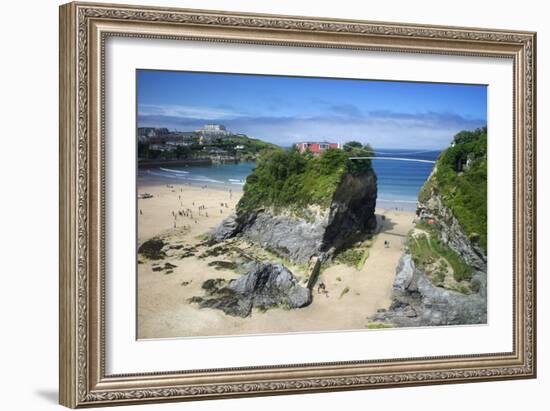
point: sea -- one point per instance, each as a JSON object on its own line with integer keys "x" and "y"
{"x": 399, "y": 181}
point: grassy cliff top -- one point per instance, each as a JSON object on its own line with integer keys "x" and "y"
{"x": 290, "y": 179}
{"x": 461, "y": 181}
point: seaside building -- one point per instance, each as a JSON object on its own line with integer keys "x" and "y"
{"x": 215, "y": 150}
{"x": 214, "y": 128}
{"x": 316, "y": 147}
{"x": 145, "y": 134}
{"x": 152, "y": 132}
{"x": 211, "y": 132}
{"x": 170, "y": 138}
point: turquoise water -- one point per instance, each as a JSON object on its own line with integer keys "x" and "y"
{"x": 227, "y": 175}
{"x": 398, "y": 181}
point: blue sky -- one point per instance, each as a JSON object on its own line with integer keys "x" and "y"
{"x": 285, "y": 110}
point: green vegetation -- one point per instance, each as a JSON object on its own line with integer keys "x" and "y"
{"x": 356, "y": 254}
{"x": 344, "y": 292}
{"x": 363, "y": 258}
{"x": 248, "y": 150}
{"x": 354, "y": 257}
{"x": 288, "y": 178}
{"x": 461, "y": 181}
{"x": 252, "y": 146}
{"x": 377, "y": 326}
{"x": 427, "y": 250}
{"x": 351, "y": 257}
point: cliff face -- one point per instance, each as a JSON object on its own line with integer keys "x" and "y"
{"x": 451, "y": 232}
{"x": 309, "y": 206}
{"x": 442, "y": 277}
{"x": 352, "y": 210}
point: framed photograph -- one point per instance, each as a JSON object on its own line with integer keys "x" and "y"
{"x": 259, "y": 204}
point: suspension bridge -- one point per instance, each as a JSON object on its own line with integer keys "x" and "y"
{"x": 394, "y": 158}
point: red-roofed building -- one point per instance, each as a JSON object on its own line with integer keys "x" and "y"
{"x": 316, "y": 147}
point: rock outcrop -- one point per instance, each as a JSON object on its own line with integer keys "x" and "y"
{"x": 314, "y": 231}
{"x": 266, "y": 285}
{"x": 418, "y": 302}
{"x": 153, "y": 248}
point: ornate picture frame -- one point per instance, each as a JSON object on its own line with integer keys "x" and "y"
{"x": 84, "y": 28}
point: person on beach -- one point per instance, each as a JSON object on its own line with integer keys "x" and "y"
{"x": 322, "y": 289}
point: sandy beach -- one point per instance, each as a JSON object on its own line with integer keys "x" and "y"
{"x": 163, "y": 309}
{"x": 156, "y": 214}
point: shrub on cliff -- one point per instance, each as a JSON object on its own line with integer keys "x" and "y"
{"x": 289, "y": 178}
{"x": 461, "y": 181}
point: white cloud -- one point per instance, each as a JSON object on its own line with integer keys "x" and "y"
{"x": 190, "y": 112}
{"x": 382, "y": 129}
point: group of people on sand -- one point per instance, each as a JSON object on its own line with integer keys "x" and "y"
{"x": 188, "y": 212}
{"x": 183, "y": 213}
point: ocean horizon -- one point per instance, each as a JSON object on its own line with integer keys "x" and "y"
{"x": 399, "y": 182}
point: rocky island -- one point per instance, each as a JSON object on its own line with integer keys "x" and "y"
{"x": 301, "y": 206}
{"x": 303, "y": 209}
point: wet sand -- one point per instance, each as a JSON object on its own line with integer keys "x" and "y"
{"x": 163, "y": 310}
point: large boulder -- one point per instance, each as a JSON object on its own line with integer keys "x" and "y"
{"x": 266, "y": 285}
{"x": 152, "y": 249}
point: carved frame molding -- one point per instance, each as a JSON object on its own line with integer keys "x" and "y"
{"x": 84, "y": 27}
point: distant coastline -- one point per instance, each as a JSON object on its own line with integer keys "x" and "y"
{"x": 398, "y": 182}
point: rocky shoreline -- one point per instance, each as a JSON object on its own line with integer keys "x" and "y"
{"x": 416, "y": 301}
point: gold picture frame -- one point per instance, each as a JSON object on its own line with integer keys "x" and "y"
{"x": 84, "y": 27}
